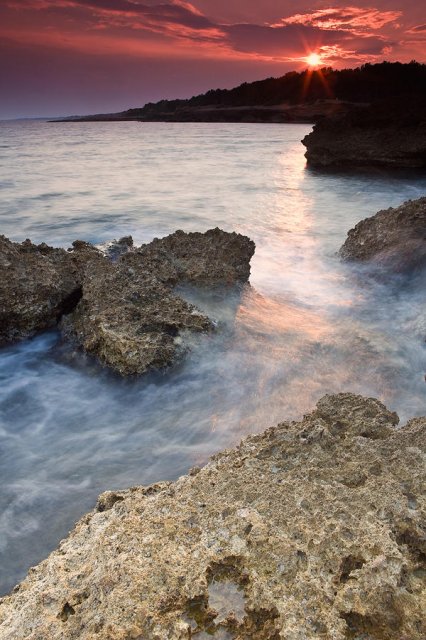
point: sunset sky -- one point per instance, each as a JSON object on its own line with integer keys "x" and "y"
{"x": 61, "y": 57}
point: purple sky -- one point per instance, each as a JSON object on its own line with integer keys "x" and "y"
{"x": 61, "y": 57}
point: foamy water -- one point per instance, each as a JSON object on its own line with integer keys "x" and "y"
{"x": 308, "y": 325}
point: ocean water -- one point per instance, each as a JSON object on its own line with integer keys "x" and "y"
{"x": 307, "y": 325}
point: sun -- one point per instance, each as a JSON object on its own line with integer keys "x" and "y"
{"x": 313, "y": 59}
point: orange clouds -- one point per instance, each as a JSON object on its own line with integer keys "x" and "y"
{"x": 356, "y": 19}
{"x": 134, "y": 27}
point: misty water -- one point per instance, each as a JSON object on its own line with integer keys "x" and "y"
{"x": 308, "y": 325}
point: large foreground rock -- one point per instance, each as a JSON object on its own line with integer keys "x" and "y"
{"x": 310, "y": 530}
{"x": 392, "y": 136}
{"x": 393, "y": 238}
{"x": 117, "y": 303}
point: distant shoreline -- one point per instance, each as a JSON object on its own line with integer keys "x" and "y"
{"x": 305, "y": 113}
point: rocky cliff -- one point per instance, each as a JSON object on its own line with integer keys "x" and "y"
{"x": 313, "y": 529}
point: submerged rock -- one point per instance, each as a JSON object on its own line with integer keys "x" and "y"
{"x": 393, "y": 238}
{"x": 377, "y": 136}
{"x": 310, "y": 529}
{"x": 117, "y": 304}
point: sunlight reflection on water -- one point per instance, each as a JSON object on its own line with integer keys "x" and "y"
{"x": 306, "y": 326}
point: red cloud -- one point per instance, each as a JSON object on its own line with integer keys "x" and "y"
{"x": 337, "y": 32}
{"x": 350, "y": 18}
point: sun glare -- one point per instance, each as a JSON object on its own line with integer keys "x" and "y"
{"x": 313, "y": 59}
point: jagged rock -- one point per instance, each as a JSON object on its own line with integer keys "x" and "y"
{"x": 212, "y": 258}
{"x": 117, "y": 304}
{"x": 394, "y": 238}
{"x": 129, "y": 320}
{"x": 380, "y": 136}
{"x": 310, "y": 529}
{"x": 37, "y": 285}
{"x": 129, "y": 317}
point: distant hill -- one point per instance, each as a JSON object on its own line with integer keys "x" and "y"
{"x": 295, "y": 97}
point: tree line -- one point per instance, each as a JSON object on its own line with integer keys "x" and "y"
{"x": 366, "y": 84}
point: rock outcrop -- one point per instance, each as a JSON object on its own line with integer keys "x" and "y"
{"x": 310, "y": 530}
{"x": 129, "y": 320}
{"x": 38, "y": 284}
{"x": 204, "y": 259}
{"x": 393, "y": 238}
{"x": 118, "y": 304}
{"x": 391, "y": 136}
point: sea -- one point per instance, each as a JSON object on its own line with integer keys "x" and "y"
{"x": 307, "y": 325}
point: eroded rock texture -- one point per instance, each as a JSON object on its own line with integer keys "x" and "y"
{"x": 129, "y": 317}
{"x": 383, "y": 135}
{"x": 310, "y": 530}
{"x": 38, "y": 284}
{"x": 206, "y": 259}
{"x": 395, "y": 238}
{"x": 129, "y": 320}
{"x": 117, "y": 304}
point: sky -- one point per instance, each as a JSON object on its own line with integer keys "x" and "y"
{"x": 64, "y": 57}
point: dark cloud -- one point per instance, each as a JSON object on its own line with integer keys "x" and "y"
{"x": 418, "y": 29}
{"x": 282, "y": 40}
{"x": 353, "y": 28}
{"x": 176, "y": 12}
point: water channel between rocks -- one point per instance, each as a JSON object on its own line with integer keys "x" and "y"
{"x": 307, "y": 325}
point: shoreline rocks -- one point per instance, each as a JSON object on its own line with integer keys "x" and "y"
{"x": 392, "y": 136}
{"x": 393, "y": 238}
{"x": 129, "y": 320}
{"x": 310, "y": 529}
{"x": 118, "y": 304}
{"x": 38, "y": 284}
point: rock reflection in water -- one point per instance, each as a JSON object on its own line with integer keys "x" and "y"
{"x": 226, "y": 598}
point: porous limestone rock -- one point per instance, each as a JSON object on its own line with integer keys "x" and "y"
{"x": 118, "y": 303}
{"x": 313, "y": 529}
{"x": 212, "y": 258}
{"x": 38, "y": 284}
{"x": 393, "y": 238}
{"x": 129, "y": 320}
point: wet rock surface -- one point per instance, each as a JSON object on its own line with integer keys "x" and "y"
{"x": 117, "y": 303}
{"x": 395, "y": 238}
{"x": 130, "y": 321}
{"x": 312, "y": 529}
{"x": 204, "y": 259}
{"x": 38, "y": 284}
{"x": 116, "y": 248}
{"x": 389, "y": 135}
